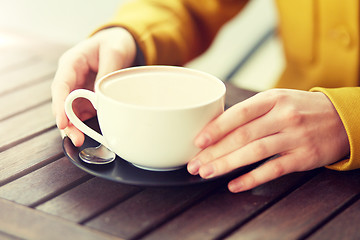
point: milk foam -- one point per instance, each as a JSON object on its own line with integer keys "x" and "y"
{"x": 162, "y": 89}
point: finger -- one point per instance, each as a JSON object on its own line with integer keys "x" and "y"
{"x": 115, "y": 55}
{"x": 73, "y": 70}
{"x": 61, "y": 87}
{"x": 76, "y": 136}
{"x": 261, "y": 127}
{"x": 253, "y": 152}
{"x": 234, "y": 117}
{"x": 270, "y": 170}
{"x": 109, "y": 61}
{"x": 59, "y": 92}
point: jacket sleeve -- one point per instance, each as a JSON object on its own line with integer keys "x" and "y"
{"x": 346, "y": 101}
{"x": 174, "y": 31}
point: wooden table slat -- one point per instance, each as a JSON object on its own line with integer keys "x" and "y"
{"x": 27, "y": 223}
{"x": 12, "y": 59}
{"x": 88, "y": 199}
{"x": 29, "y": 155}
{"x": 5, "y": 236}
{"x": 149, "y": 208}
{"x": 25, "y": 99}
{"x": 18, "y": 128}
{"x": 344, "y": 226}
{"x": 304, "y": 209}
{"x": 234, "y": 210}
{"x": 47, "y": 181}
{"x": 26, "y": 75}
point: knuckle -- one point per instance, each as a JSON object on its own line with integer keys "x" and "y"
{"x": 293, "y": 117}
{"x": 242, "y": 110}
{"x": 112, "y": 47}
{"x": 277, "y": 168}
{"x": 214, "y": 130}
{"x": 260, "y": 149}
{"x": 249, "y": 180}
{"x": 274, "y": 93}
{"x": 80, "y": 62}
{"x": 117, "y": 49}
{"x": 222, "y": 166}
{"x": 281, "y": 95}
{"x": 206, "y": 156}
{"x": 241, "y": 136}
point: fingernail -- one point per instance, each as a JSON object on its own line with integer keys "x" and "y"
{"x": 193, "y": 167}
{"x": 207, "y": 171}
{"x": 235, "y": 187}
{"x": 203, "y": 141}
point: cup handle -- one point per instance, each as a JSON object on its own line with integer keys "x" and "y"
{"x": 89, "y": 95}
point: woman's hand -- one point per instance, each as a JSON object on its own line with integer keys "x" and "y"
{"x": 303, "y": 128}
{"x": 108, "y": 50}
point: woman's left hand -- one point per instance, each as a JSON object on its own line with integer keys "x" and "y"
{"x": 302, "y": 127}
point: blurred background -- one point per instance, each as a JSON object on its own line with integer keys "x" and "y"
{"x": 247, "y": 51}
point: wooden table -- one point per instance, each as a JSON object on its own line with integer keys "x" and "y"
{"x": 44, "y": 196}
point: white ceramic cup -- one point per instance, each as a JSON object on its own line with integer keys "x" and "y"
{"x": 150, "y": 115}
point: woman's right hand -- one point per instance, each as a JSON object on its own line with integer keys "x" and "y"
{"x": 106, "y": 51}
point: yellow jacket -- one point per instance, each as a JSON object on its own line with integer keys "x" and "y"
{"x": 320, "y": 38}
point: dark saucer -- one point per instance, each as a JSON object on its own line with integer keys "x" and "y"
{"x": 124, "y": 172}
